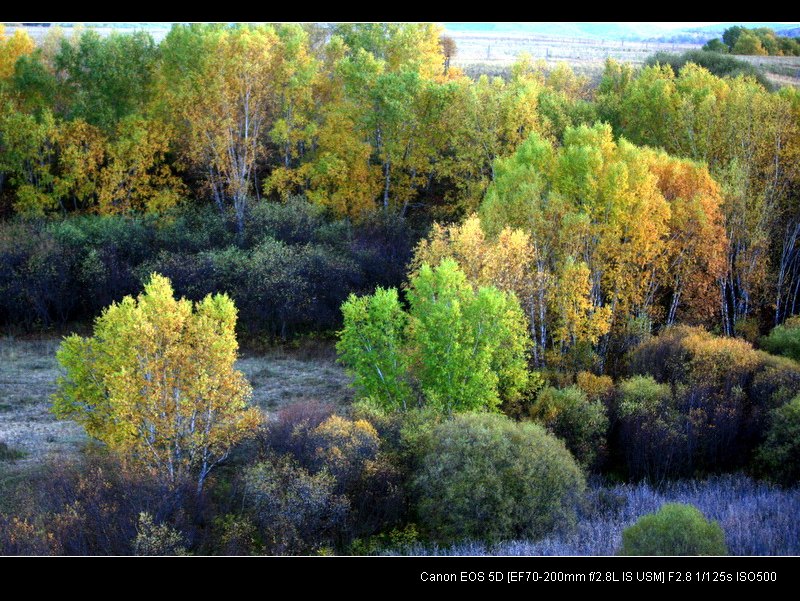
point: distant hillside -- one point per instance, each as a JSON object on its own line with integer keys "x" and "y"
{"x": 720, "y": 27}
{"x": 571, "y": 30}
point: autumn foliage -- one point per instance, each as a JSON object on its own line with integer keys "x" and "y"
{"x": 156, "y": 383}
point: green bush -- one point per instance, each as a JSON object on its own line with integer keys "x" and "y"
{"x": 715, "y": 45}
{"x": 778, "y": 458}
{"x": 721, "y": 65}
{"x": 784, "y": 339}
{"x": 651, "y": 433}
{"x": 675, "y": 529}
{"x": 484, "y": 476}
{"x": 570, "y": 415}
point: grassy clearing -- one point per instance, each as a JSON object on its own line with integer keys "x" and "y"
{"x": 281, "y": 377}
{"x": 28, "y": 372}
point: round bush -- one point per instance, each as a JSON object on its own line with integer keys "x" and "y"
{"x": 485, "y": 476}
{"x": 582, "y": 424}
{"x": 778, "y": 458}
{"x": 675, "y": 529}
{"x": 784, "y": 339}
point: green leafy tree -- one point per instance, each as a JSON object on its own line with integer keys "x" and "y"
{"x": 731, "y": 35}
{"x": 107, "y": 78}
{"x": 462, "y": 348}
{"x": 468, "y": 345}
{"x": 371, "y": 344}
{"x": 715, "y": 45}
{"x": 748, "y": 43}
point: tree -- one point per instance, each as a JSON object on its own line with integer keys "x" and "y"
{"x": 715, "y": 45}
{"x": 462, "y": 348}
{"x": 449, "y": 50}
{"x": 219, "y": 83}
{"x": 26, "y": 156}
{"x": 156, "y": 383}
{"x": 371, "y": 344}
{"x": 600, "y": 264}
{"x": 748, "y": 43}
{"x": 12, "y": 48}
{"x": 469, "y": 345}
{"x": 137, "y": 177}
{"x": 106, "y": 79}
{"x": 731, "y": 35}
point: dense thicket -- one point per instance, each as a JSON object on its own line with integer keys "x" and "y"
{"x": 759, "y": 41}
{"x": 698, "y": 403}
{"x": 363, "y": 119}
{"x": 717, "y": 63}
{"x": 289, "y": 274}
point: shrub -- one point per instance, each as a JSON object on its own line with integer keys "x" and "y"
{"x": 93, "y": 507}
{"x": 8, "y": 453}
{"x": 288, "y": 276}
{"x": 651, "y": 432}
{"x": 295, "y": 511}
{"x": 156, "y": 539}
{"x": 597, "y": 388}
{"x": 287, "y": 431}
{"x": 484, "y": 476}
{"x": 350, "y": 452}
{"x": 784, "y": 339}
{"x": 715, "y": 45}
{"x": 721, "y": 392}
{"x": 778, "y": 458}
{"x": 571, "y": 416}
{"x": 676, "y": 529}
{"x": 236, "y": 535}
{"x": 719, "y": 64}
{"x": 345, "y": 448}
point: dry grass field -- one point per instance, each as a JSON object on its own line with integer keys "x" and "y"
{"x": 493, "y": 54}
{"x": 28, "y": 372}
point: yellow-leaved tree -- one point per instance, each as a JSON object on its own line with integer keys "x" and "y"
{"x": 157, "y": 383}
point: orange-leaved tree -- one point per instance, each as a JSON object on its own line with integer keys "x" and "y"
{"x": 157, "y": 383}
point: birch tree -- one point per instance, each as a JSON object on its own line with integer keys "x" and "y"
{"x": 156, "y": 383}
